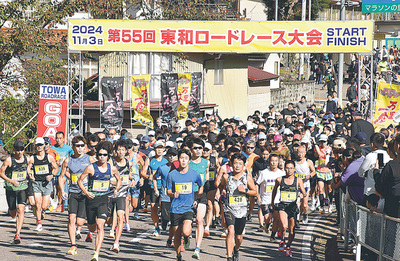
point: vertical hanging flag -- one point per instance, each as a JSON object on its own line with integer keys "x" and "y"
{"x": 112, "y": 113}
{"x": 53, "y": 110}
{"x": 194, "y": 109}
{"x": 184, "y": 84}
{"x": 140, "y": 85}
{"x": 387, "y": 104}
{"x": 169, "y": 94}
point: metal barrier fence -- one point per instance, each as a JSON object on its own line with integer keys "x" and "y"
{"x": 375, "y": 231}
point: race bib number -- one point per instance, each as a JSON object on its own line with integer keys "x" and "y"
{"x": 183, "y": 188}
{"x": 270, "y": 188}
{"x": 19, "y": 176}
{"x": 101, "y": 185}
{"x": 288, "y": 196}
{"x": 124, "y": 179}
{"x": 237, "y": 200}
{"x": 301, "y": 175}
{"x": 74, "y": 178}
{"x": 211, "y": 174}
{"x": 42, "y": 169}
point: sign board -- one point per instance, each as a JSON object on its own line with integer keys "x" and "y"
{"x": 53, "y": 110}
{"x": 220, "y": 36}
{"x": 380, "y": 6}
{"x": 387, "y": 105}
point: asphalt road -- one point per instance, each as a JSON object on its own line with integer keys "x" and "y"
{"x": 53, "y": 243}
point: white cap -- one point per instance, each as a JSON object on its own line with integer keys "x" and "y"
{"x": 323, "y": 137}
{"x": 261, "y": 136}
{"x": 116, "y": 137}
{"x": 170, "y": 144}
{"x": 39, "y": 140}
{"x": 287, "y": 131}
{"x": 305, "y": 140}
{"x": 179, "y": 139}
{"x": 151, "y": 133}
{"x": 208, "y": 146}
{"x": 135, "y": 141}
{"x": 158, "y": 144}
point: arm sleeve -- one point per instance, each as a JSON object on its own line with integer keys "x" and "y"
{"x": 366, "y": 165}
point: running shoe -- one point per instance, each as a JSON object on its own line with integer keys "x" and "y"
{"x": 235, "y": 255}
{"x": 206, "y": 232}
{"x": 312, "y": 208}
{"x": 305, "y": 218}
{"x": 281, "y": 246}
{"x": 39, "y": 228}
{"x": 156, "y": 232}
{"x": 78, "y": 235}
{"x": 249, "y": 217}
{"x": 17, "y": 239}
{"x": 288, "y": 252}
{"x": 266, "y": 228}
{"x": 218, "y": 221}
{"x": 297, "y": 224}
{"x": 224, "y": 233}
{"x": 330, "y": 208}
{"x": 95, "y": 256}
{"x": 89, "y": 237}
{"x": 260, "y": 228}
{"x": 72, "y": 251}
{"x": 229, "y": 259}
{"x": 272, "y": 240}
{"x": 127, "y": 227}
{"x": 186, "y": 243}
{"x": 136, "y": 216}
{"x": 112, "y": 234}
{"x": 170, "y": 244}
{"x": 115, "y": 248}
{"x": 179, "y": 258}
{"x": 196, "y": 254}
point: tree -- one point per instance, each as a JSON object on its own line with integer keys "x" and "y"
{"x": 291, "y": 9}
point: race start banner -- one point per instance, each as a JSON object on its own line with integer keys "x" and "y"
{"x": 112, "y": 113}
{"x": 53, "y": 110}
{"x": 184, "y": 84}
{"x": 140, "y": 85}
{"x": 221, "y": 36}
{"x": 387, "y": 104}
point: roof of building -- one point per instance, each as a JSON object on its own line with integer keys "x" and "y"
{"x": 257, "y": 75}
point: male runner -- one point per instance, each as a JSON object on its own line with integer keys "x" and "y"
{"x": 305, "y": 170}
{"x": 64, "y": 151}
{"x": 72, "y": 168}
{"x": 99, "y": 175}
{"x": 200, "y": 165}
{"x": 14, "y": 172}
{"x": 239, "y": 185}
{"x": 289, "y": 186}
{"x": 45, "y": 168}
{"x": 152, "y": 166}
{"x": 180, "y": 186}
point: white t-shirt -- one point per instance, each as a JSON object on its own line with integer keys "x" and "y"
{"x": 266, "y": 181}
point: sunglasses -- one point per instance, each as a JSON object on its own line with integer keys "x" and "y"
{"x": 250, "y": 147}
{"x": 79, "y": 145}
{"x": 40, "y": 144}
{"x": 197, "y": 148}
{"x": 103, "y": 154}
{"x": 206, "y": 150}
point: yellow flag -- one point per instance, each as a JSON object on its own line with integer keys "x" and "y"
{"x": 184, "y": 89}
{"x": 387, "y": 104}
{"x": 140, "y": 85}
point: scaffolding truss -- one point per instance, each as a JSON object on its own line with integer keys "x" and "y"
{"x": 366, "y": 77}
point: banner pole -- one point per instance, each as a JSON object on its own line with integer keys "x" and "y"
{"x": 21, "y": 129}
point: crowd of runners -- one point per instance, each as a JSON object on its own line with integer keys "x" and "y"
{"x": 212, "y": 172}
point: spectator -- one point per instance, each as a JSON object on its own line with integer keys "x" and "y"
{"x": 302, "y": 105}
{"x": 289, "y": 111}
{"x": 361, "y": 125}
{"x": 355, "y": 184}
{"x": 352, "y": 92}
{"x": 331, "y": 106}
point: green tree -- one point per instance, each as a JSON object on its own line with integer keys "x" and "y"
{"x": 291, "y": 9}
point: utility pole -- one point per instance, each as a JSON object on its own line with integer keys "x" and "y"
{"x": 303, "y": 18}
{"x": 341, "y": 57}
{"x": 309, "y": 10}
{"x": 276, "y": 10}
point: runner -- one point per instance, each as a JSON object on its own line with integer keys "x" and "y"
{"x": 212, "y": 204}
{"x": 150, "y": 167}
{"x": 14, "y": 172}
{"x": 324, "y": 174}
{"x": 45, "y": 168}
{"x": 118, "y": 202}
{"x": 287, "y": 206}
{"x": 200, "y": 165}
{"x": 64, "y": 151}
{"x": 180, "y": 185}
{"x": 162, "y": 174}
{"x": 97, "y": 192}
{"x": 239, "y": 185}
{"x": 266, "y": 182}
{"x": 72, "y": 168}
{"x": 305, "y": 170}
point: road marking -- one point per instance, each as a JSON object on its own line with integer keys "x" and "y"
{"x": 141, "y": 236}
{"x": 307, "y": 237}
